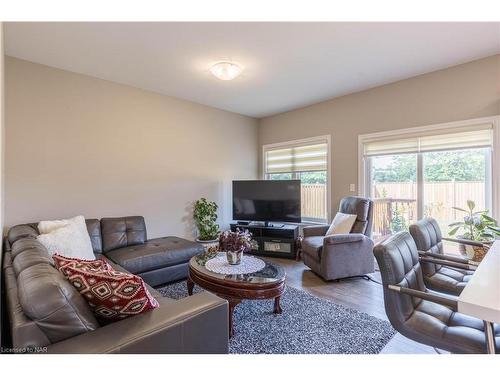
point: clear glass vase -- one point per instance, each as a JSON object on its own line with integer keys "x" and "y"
{"x": 234, "y": 257}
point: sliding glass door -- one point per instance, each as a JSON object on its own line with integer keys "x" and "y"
{"x": 393, "y": 188}
{"x": 426, "y": 176}
{"x": 450, "y": 179}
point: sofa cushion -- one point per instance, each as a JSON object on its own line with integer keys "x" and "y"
{"x": 53, "y": 304}
{"x": 313, "y": 246}
{"x": 154, "y": 254}
{"x": 357, "y": 206}
{"x": 21, "y": 231}
{"x": 29, "y": 256}
{"x": 27, "y": 243}
{"x": 23, "y": 331}
{"x": 122, "y": 231}
{"x": 112, "y": 295}
{"x": 94, "y": 229}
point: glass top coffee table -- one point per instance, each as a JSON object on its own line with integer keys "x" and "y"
{"x": 267, "y": 283}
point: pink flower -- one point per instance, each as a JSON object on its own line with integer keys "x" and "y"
{"x": 235, "y": 241}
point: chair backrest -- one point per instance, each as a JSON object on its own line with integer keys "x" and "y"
{"x": 363, "y": 208}
{"x": 397, "y": 258}
{"x": 427, "y": 237}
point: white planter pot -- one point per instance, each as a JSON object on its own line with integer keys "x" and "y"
{"x": 207, "y": 244}
{"x": 474, "y": 253}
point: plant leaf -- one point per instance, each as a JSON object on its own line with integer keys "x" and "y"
{"x": 495, "y": 230}
{"x": 471, "y": 204}
{"x": 453, "y": 231}
{"x": 460, "y": 209}
{"x": 488, "y": 218}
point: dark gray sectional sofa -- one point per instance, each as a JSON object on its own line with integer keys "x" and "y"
{"x": 44, "y": 312}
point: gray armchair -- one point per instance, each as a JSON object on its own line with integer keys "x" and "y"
{"x": 449, "y": 274}
{"x": 420, "y": 314}
{"x": 342, "y": 255}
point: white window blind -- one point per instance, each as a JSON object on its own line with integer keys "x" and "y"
{"x": 451, "y": 139}
{"x": 300, "y": 158}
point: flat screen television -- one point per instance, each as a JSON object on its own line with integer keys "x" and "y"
{"x": 267, "y": 200}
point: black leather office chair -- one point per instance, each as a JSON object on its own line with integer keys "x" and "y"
{"x": 418, "y": 313}
{"x": 441, "y": 272}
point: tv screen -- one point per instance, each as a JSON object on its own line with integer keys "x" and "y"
{"x": 267, "y": 200}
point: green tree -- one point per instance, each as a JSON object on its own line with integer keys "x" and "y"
{"x": 466, "y": 165}
{"x": 400, "y": 168}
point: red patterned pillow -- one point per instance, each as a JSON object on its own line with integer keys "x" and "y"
{"x": 61, "y": 263}
{"x": 111, "y": 294}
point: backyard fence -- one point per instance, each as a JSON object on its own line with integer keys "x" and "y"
{"x": 396, "y": 204}
{"x": 439, "y": 197}
{"x": 399, "y": 199}
{"x": 313, "y": 197}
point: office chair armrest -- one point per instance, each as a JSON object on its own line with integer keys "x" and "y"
{"x": 466, "y": 242}
{"x": 449, "y": 258}
{"x": 428, "y": 296}
{"x": 450, "y": 263}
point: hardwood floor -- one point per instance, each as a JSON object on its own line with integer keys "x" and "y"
{"x": 359, "y": 294}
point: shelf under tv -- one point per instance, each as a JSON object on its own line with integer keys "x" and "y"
{"x": 278, "y": 240}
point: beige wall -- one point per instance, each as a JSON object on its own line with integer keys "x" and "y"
{"x": 462, "y": 92}
{"x": 79, "y": 145}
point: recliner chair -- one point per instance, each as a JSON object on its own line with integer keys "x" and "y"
{"x": 342, "y": 255}
{"x": 428, "y": 317}
{"x": 441, "y": 276}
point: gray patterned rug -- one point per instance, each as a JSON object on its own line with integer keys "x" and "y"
{"x": 308, "y": 325}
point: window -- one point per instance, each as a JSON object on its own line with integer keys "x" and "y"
{"x": 426, "y": 174}
{"x": 305, "y": 160}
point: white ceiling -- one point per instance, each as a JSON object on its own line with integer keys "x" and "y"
{"x": 286, "y": 65}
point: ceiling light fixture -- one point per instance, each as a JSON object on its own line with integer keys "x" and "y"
{"x": 225, "y": 70}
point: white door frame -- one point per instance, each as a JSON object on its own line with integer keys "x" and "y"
{"x": 494, "y": 197}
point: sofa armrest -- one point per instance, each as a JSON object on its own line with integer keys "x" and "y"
{"x": 315, "y": 230}
{"x": 335, "y": 239}
{"x": 197, "y": 324}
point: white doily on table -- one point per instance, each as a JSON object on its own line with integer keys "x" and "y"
{"x": 248, "y": 264}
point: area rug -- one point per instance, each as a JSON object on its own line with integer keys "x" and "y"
{"x": 308, "y": 325}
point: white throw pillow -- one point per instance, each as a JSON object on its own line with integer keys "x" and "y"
{"x": 71, "y": 240}
{"x": 341, "y": 224}
{"x": 48, "y": 226}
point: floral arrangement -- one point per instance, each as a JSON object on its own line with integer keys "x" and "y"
{"x": 237, "y": 242}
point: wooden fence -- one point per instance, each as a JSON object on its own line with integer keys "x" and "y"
{"x": 392, "y": 215}
{"x": 439, "y": 197}
{"x": 313, "y": 197}
{"x": 400, "y": 198}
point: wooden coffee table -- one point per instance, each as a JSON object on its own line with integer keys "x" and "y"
{"x": 267, "y": 283}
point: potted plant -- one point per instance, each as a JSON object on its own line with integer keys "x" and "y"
{"x": 205, "y": 217}
{"x": 476, "y": 226}
{"x": 235, "y": 244}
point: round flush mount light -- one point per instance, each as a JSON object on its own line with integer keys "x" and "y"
{"x": 226, "y": 70}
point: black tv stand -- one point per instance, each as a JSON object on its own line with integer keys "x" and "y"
{"x": 275, "y": 240}
{"x": 267, "y": 224}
